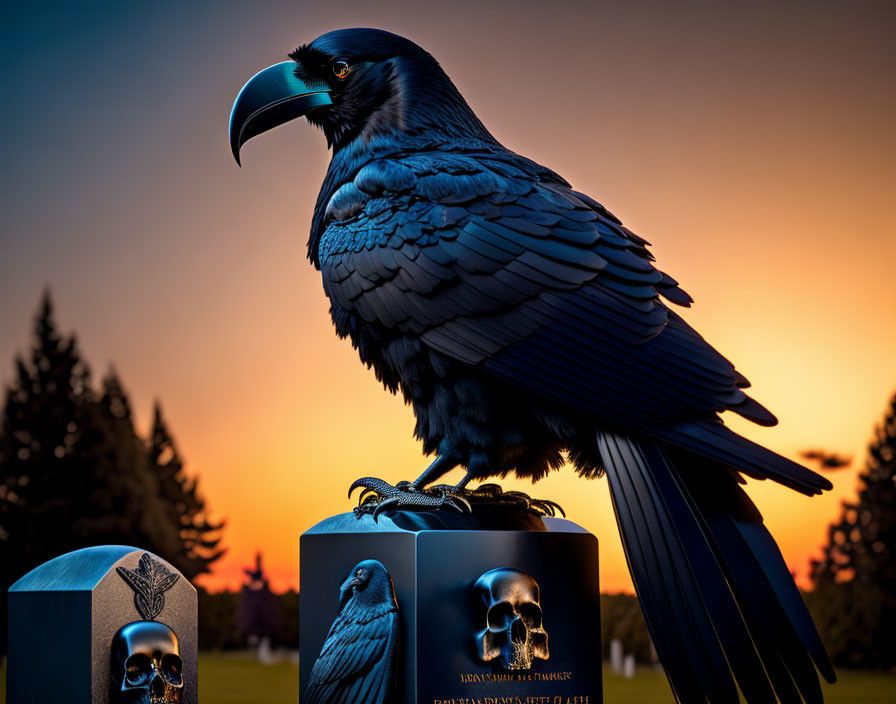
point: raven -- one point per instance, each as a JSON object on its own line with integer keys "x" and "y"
{"x": 357, "y": 661}
{"x": 524, "y": 324}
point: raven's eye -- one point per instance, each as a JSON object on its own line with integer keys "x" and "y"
{"x": 341, "y": 69}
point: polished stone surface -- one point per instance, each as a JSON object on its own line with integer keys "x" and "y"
{"x": 434, "y": 559}
{"x": 63, "y": 616}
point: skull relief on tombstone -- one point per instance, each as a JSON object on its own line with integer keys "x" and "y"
{"x": 509, "y": 611}
{"x": 146, "y": 665}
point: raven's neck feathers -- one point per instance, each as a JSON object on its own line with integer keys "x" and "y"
{"x": 430, "y": 102}
{"x": 406, "y": 95}
{"x": 424, "y": 110}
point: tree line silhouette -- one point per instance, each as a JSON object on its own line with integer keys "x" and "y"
{"x": 74, "y": 472}
{"x": 854, "y": 596}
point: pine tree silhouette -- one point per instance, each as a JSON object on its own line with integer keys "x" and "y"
{"x": 199, "y": 537}
{"x": 46, "y": 438}
{"x": 74, "y": 472}
{"x": 855, "y": 580}
{"x": 126, "y": 499}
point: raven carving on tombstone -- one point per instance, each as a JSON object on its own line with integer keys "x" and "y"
{"x": 357, "y": 662}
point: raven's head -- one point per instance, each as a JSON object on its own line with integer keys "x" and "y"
{"x": 354, "y": 84}
{"x": 369, "y": 583}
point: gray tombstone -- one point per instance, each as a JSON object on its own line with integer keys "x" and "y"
{"x": 628, "y": 666}
{"x": 66, "y": 615}
{"x": 461, "y": 584}
{"x": 616, "y": 656}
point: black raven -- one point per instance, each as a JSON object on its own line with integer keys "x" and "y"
{"x": 524, "y": 324}
{"x": 357, "y": 661}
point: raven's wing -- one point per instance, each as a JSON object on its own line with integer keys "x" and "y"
{"x": 502, "y": 265}
{"x": 494, "y": 264}
{"x": 357, "y": 659}
{"x": 713, "y": 585}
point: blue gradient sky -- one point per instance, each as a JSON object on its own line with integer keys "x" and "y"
{"x": 754, "y": 146}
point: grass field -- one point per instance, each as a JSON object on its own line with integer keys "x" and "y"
{"x": 238, "y": 680}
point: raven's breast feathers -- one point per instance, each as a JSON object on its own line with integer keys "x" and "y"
{"x": 498, "y": 263}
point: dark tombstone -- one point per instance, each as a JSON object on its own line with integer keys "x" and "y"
{"x": 79, "y": 621}
{"x": 489, "y": 609}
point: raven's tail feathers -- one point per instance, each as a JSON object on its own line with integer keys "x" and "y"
{"x": 715, "y": 440}
{"x": 716, "y": 593}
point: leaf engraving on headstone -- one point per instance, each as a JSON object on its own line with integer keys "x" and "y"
{"x": 149, "y": 581}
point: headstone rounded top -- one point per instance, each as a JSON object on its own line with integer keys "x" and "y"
{"x": 79, "y": 570}
{"x": 67, "y": 612}
{"x": 417, "y": 522}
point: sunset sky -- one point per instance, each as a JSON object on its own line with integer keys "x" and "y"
{"x": 753, "y": 144}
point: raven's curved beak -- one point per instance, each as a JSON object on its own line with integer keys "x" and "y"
{"x": 270, "y": 98}
{"x": 347, "y": 590}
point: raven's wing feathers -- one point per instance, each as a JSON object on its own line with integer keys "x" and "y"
{"x": 715, "y": 588}
{"x": 712, "y": 582}
{"x": 357, "y": 657}
{"x": 499, "y": 265}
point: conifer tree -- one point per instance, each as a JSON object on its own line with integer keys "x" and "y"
{"x": 44, "y": 442}
{"x": 184, "y": 505}
{"x": 75, "y": 473}
{"x": 855, "y": 580}
{"x": 126, "y": 500}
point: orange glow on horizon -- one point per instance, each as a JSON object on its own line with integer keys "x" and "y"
{"x": 753, "y": 146}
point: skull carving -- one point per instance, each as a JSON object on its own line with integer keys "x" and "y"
{"x": 507, "y": 601}
{"x": 146, "y": 665}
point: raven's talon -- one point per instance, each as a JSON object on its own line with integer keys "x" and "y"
{"x": 493, "y": 496}
{"x": 372, "y": 484}
{"x": 366, "y": 494}
{"x": 382, "y": 506}
{"x": 457, "y": 501}
{"x": 468, "y": 508}
{"x": 552, "y": 506}
{"x": 379, "y": 496}
{"x": 449, "y": 503}
{"x": 453, "y": 495}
